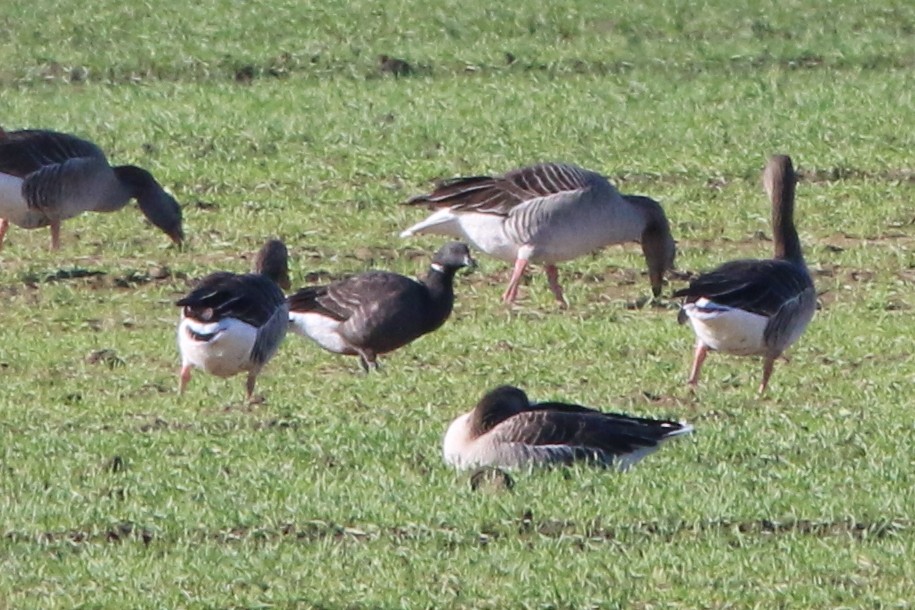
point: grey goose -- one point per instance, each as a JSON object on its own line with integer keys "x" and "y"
{"x": 546, "y": 213}
{"x": 47, "y": 177}
{"x": 377, "y": 312}
{"x": 233, "y": 323}
{"x": 506, "y": 430}
{"x": 755, "y": 307}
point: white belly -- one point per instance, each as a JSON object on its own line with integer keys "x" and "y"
{"x": 727, "y": 329}
{"x": 227, "y": 354}
{"x": 322, "y": 330}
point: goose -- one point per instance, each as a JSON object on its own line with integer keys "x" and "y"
{"x": 232, "y": 323}
{"x": 47, "y": 177}
{"x": 505, "y": 430}
{"x": 755, "y": 307}
{"x": 546, "y": 213}
{"x": 377, "y": 312}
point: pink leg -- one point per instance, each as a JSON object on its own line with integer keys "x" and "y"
{"x": 55, "y": 235}
{"x": 698, "y": 359}
{"x": 511, "y": 293}
{"x": 552, "y": 276}
{"x": 4, "y": 227}
{"x": 768, "y": 365}
{"x": 183, "y": 377}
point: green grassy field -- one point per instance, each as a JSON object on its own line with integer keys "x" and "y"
{"x": 275, "y": 119}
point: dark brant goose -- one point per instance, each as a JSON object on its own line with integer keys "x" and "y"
{"x": 755, "y": 307}
{"x": 47, "y": 177}
{"x": 377, "y": 312}
{"x": 506, "y": 430}
{"x": 546, "y": 213}
{"x": 235, "y": 322}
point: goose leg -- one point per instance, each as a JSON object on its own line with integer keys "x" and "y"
{"x": 552, "y": 276}
{"x": 511, "y": 293}
{"x": 368, "y": 360}
{"x": 768, "y": 365}
{"x": 4, "y": 227}
{"x": 698, "y": 359}
{"x": 55, "y": 235}
{"x": 249, "y": 385}
{"x": 183, "y": 377}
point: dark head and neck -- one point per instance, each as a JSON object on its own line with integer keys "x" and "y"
{"x": 495, "y": 407}
{"x": 159, "y": 207}
{"x": 658, "y": 244}
{"x": 439, "y": 281}
{"x": 272, "y": 261}
{"x": 779, "y": 181}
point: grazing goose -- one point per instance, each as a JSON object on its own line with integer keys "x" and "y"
{"x": 377, "y": 312}
{"x": 546, "y": 213}
{"x": 506, "y": 430}
{"x": 232, "y": 323}
{"x": 47, "y": 177}
{"x": 755, "y": 307}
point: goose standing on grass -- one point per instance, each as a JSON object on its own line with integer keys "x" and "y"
{"x": 546, "y": 213}
{"x": 506, "y": 430}
{"x": 232, "y": 323}
{"x": 377, "y": 312}
{"x": 755, "y": 307}
{"x": 47, "y": 177}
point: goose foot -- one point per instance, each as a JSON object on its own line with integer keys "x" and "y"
{"x": 183, "y": 377}
{"x": 511, "y": 293}
{"x": 4, "y": 227}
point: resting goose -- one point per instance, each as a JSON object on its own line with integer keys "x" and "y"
{"x": 47, "y": 177}
{"x": 506, "y": 430}
{"x": 235, "y": 322}
{"x": 755, "y": 307}
{"x": 377, "y": 312}
{"x": 546, "y": 213}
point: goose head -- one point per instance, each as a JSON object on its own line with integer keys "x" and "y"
{"x": 453, "y": 256}
{"x": 658, "y": 244}
{"x": 157, "y": 205}
{"x": 273, "y": 261}
{"x": 497, "y": 406}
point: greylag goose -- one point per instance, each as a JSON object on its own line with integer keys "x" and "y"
{"x": 506, "y": 430}
{"x": 378, "y": 312}
{"x": 546, "y": 213}
{"x": 232, "y": 323}
{"x": 47, "y": 177}
{"x": 755, "y": 307}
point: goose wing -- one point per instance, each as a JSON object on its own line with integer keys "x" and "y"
{"x": 568, "y": 433}
{"x": 763, "y": 287}
{"x": 500, "y": 194}
{"x": 27, "y": 151}
{"x": 251, "y": 298}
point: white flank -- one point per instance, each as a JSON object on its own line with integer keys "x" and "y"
{"x": 727, "y": 329}
{"x": 12, "y": 206}
{"x": 226, "y": 354}
{"x": 485, "y": 232}
{"x": 457, "y": 443}
{"x": 321, "y": 329}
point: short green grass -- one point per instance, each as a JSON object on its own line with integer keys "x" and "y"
{"x": 274, "y": 119}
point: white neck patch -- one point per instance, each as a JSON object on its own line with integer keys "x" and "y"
{"x": 438, "y": 267}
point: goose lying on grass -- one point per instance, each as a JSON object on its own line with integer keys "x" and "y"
{"x": 47, "y": 177}
{"x": 755, "y": 307}
{"x": 506, "y": 430}
{"x": 546, "y": 213}
{"x": 378, "y": 312}
{"x": 231, "y": 323}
